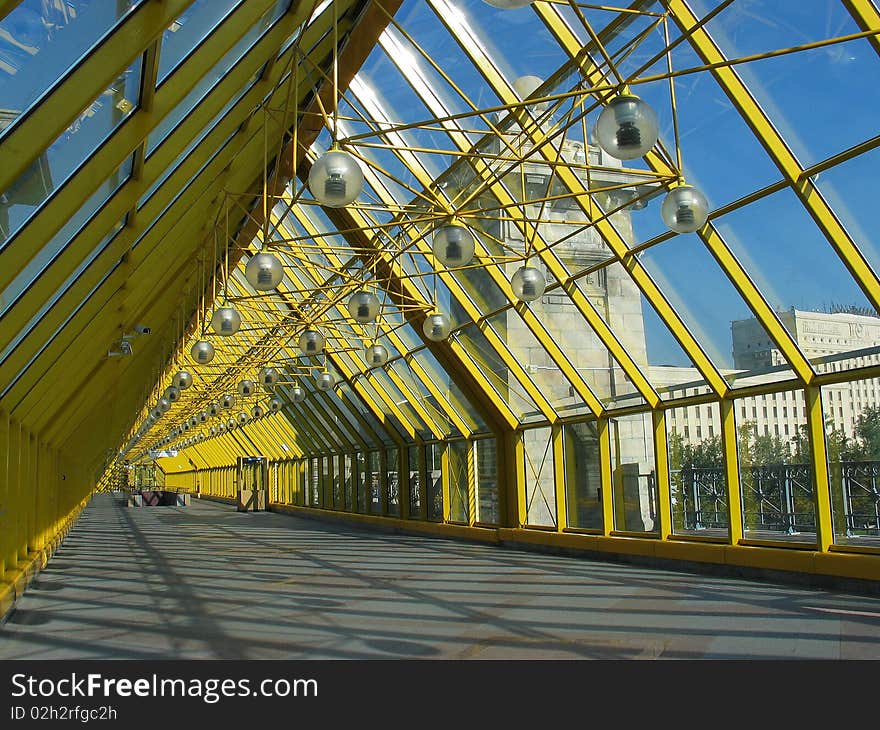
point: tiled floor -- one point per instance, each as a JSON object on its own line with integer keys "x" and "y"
{"x": 206, "y": 581}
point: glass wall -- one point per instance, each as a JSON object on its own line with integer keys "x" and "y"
{"x": 634, "y": 483}
{"x": 486, "y": 460}
{"x": 434, "y": 484}
{"x": 583, "y": 476}
{"x": 539, "y": 478}
{"x": 457, "y": 455}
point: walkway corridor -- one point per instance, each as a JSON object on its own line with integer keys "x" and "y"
{"x": 207, "y": 582}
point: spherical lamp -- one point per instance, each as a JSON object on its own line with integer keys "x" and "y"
{"x": 202, "y": 352}
{"x": 453, "y": 245}
{"x": 243, "y": 418}
{"x": 275, "y": 404}
{"x": 258, "y": 411}
{"x": 325, "y": 381}
{"x": 227, "y": 401}
{"x": 297, "y": 394}
{"x": 269, "y": 378}
{"x": 226, "y": 321}
{"x": 264, "y": 272}
{"x": 528, "y": 283}
{"x": 336, "y": 179}
{"x": 171, "y": 394}
{"x": 376, "y": 355}
{"x": 627, "y": 128}
{"x": 246, "y": 388}
{"x": 437, "y": 326}
{"x": 203, "y": 417}
{"x": 363, "y": 306}
{"x": 213, "y": 408}
{"x": 163, "y": 405}
{"x": 182, "y": 380}
{"x": 685, "y": 209}
{"x": 311, "y": 342}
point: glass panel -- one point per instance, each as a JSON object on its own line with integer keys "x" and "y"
{"x": 52, "y": 168}
{"x": 786, "y": 86}
{"x": 338, "y": 476}
{"x": 457, "y": 454}
{"x": 361, "y": 472}
{"x": 486, "y": 461}
{"x": 393, "y": 480}
{"x": 775, "y": 467}
{"x": 583, "y": 476}
{"x": 326, "y": 494}
{"x": 539, "y": 477}
{"x": 434, "y": 492}
{"x": 415, "y": 482}
{"x": 634, "y": 484}
{"x": 844, "y": 188}
{"x": 315, "y": 481}
{"x": 698, "y": 482}
{"x": 852, "y": 437}
{"x": 374, "y": 483}
{"x": 40, "y": 41}
{"x": 189, "y": 30}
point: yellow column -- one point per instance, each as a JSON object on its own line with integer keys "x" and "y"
{"x": 661, "y": 471}
{"x": 16, "y": 517}
{"x": 518, "y": 478}
{"x": 403, "y": 467}
{"x": 819, "y": 452}
{"x": 5, "y": 501}
{"x": 471, "y": 482}
{"x": 605, "y": 474}
{"x": 559, "y": 476}
{"x": 731, "y": 471}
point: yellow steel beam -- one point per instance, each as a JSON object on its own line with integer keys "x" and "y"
{"x": 731, "y": 471}
{"x": 819, "y": 454}
{"x": 867, "y": 17}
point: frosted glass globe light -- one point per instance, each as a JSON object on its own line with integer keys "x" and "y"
{"x": 685, "y": 209}
{"x": 226, "y": 321}
{"x": 325, "y": 381}
{"x": 453, "y": 245}
{"x": 437, "y": 326}
{"x": 275, "y": 404}
{"x": 213, "y": 408}
{"x": 264, "y": 272}
{"x": 213, "y": 431}
{"x": 363, "y": 306}
{"x": 298, "y": 394}
{"x": 221, "y": 427}
{"x": 509, "y": 4}
{"x": 228, "y": 401}
{"x": 336, "y": 179}
{"x": 376, "y": 355}
{"x": 163, "y": 405}
{"x": 258, "y": 411}
{"x": 311, "y": 342}
{"x": 627, "y": 128}
{"x": 193, "y": 421}
{"x": 246, "y": 388}
{"x": 172, "y": 394}
{"x": 202, "y": 352}
{"x": 203, "y": 417}
{"x": 243, "y": 418}
{"x": 155, "y": 415}
{"x": 269, "y": 378}
{"x": 528, "y": 283}
{"x": 182, "y": 380}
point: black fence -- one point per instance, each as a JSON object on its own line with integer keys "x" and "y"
{"x": 779, "y": 498}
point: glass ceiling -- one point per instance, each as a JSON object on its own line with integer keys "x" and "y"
{"x": 155, "y": 184}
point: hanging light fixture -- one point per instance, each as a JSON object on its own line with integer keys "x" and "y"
{"x": 163, "y": 405}
{"x": 226, "y": 321}
{"x": 363, "y": 306}
{"x": 171, "y": 394}
{"x": 182, "y": 380}
{"x": 213, "y": 408}
{"x": 325, "y": 381}
{"x": 685, "y": 209}
{"x": 528, "y": 283}
{"x": 297, "y": 394}
{"x": 203, "y": 417}
{"x": 453, "y": 245}
{"x": 437, "y": 326}
{"x": 228, "y": 401}
{"x": 627, "y": 128}
{"x": 336, "y": 179}
{"x": 376, "y": 355}
{"x": 275, "y": 404}
{"x": 264, "y": 271}
{"x": 311, "y": 342}
{"x": 243, "y": 418}
{"x": 202, "y": 352}
{"x": 222, "y": 426}
{"x": 269, "y": 378}
{"x": 246, "y": 388}
{"x": 257, "y": 411}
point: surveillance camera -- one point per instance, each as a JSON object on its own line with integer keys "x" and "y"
{"x": 142, "y": 330}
